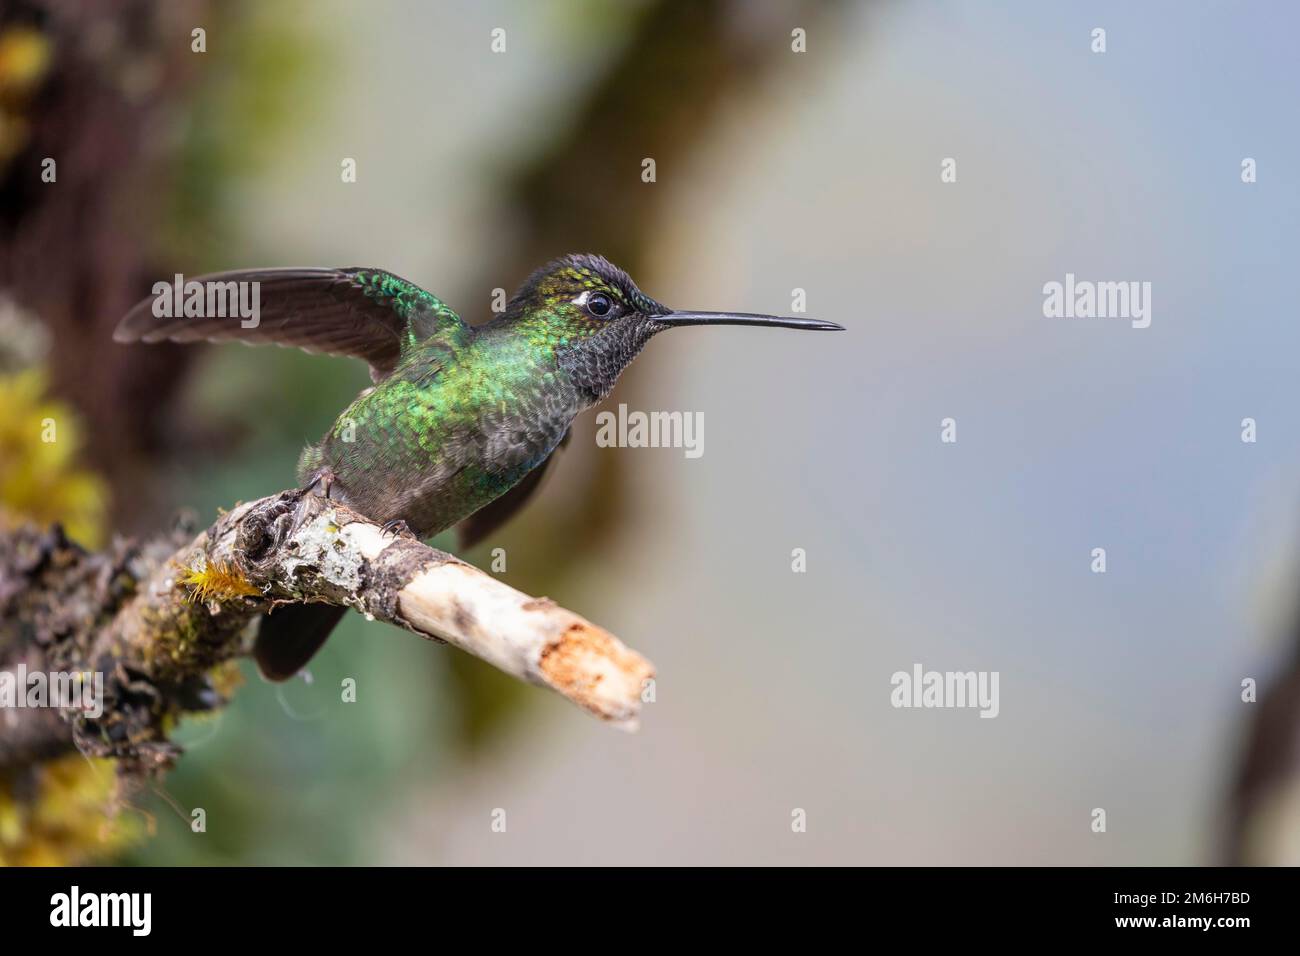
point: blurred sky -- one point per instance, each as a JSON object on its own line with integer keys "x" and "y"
{"x": 1118, "y": 690}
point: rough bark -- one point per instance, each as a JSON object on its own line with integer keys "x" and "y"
{"x": 157, "y": 620}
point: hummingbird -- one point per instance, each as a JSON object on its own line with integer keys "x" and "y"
{"x": 461, "y": 421}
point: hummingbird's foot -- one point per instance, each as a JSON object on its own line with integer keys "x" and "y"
{"x": 397, "y": 527}
{"x": 324, "y": 479}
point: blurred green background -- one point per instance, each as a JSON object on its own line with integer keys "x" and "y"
{"x": 776, "y": 170}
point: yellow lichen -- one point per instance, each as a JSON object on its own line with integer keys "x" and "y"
{"x": 67, "y": 814}
{"x": 25, "y": 56}
{"x": 226, "y": 678}
{"x": 218, "y": 581}
{"x": 39, "y": 481}
{"x": 69, "y": 820}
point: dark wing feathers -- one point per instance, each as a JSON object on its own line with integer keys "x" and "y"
{"x": 366, "y": 313}
{"x": 500, "y": 510}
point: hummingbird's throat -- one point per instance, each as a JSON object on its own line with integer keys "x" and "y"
{"x": 595, "y": 363}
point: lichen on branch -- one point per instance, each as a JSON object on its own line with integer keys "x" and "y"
{"x": 163, "y": 620}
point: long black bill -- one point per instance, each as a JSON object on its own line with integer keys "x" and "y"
{"x": 745, "y": 318}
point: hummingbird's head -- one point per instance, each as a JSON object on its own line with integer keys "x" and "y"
{"x": 597, "y": 320}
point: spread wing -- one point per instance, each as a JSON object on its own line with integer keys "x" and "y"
{"x": 500, "y": 510}
{"x": 366, "y": 313}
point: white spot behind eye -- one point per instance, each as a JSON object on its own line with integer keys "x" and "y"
{"x": 582, "y": 298}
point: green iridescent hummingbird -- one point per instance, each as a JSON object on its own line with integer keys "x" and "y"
{"x": 461, "y": 421}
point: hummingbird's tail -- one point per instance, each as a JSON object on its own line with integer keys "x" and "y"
{"x": 290, "y": 637}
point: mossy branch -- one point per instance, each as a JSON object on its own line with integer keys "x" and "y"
{"x": 160, "y": 620}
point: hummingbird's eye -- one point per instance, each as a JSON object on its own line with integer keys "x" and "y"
{"x": 598, "y": 304}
